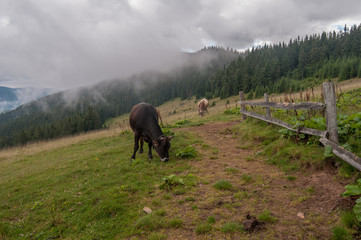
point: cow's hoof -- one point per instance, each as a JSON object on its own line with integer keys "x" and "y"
{"x": 164, "y": 159}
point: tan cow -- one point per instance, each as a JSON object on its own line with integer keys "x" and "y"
{"x": 202, "y": 106}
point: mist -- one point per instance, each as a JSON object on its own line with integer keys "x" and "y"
{"x": 67, "y": 44}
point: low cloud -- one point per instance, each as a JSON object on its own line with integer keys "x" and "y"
{"x": 66, "y": 44}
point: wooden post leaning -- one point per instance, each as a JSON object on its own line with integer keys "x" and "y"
{"x": 331, "y": 110}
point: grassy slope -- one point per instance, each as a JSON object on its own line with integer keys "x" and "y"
{"x": 84, "y": 187}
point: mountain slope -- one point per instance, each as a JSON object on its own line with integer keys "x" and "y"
{"x": 88, "y": 108}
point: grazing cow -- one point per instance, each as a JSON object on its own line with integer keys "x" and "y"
{"x": 202, "y": 106}
{"x": 143, "y": 120}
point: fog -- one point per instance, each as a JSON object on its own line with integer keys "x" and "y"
{"x": 64, "y": 44}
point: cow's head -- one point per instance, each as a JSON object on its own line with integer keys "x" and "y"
{"x": 161, "y": 146}
{"x": 200, "y": 112}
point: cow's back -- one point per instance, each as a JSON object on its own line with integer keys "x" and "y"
{"x": 142, "y": 115}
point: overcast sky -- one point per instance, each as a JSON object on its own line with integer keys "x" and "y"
{"x": 69, "y": 43}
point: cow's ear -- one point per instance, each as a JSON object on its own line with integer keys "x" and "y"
{"x": 155, "y": 143}
{"x": 170, "y": 138}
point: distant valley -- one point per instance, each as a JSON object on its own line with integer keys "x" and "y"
{"x": 11, "y": 98}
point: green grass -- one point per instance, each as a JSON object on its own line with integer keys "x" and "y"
{"x": 232, "y": 227}
{"x": 223, "y": 185}
{"x": 88, "y": 190}
{"x": 286, "y": 154}
{"x": 340, "y": 233}
{"x": 266, "y": 216}
{"x": 203, "y": 228}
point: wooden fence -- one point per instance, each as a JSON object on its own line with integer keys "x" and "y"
{"x": 327, "y": 138}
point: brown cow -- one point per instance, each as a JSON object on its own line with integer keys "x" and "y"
{"x": 202, "y": 106}
{"x": 143, "y": 120}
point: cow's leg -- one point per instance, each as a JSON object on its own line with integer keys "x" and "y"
{"x": 136, "y": 146}
{"x": 141, "y": 144}
{"x": 150, "y": 150}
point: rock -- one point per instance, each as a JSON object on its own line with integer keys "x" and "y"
{"x": 301, "y": 215}
{"x": 147, "y": 210}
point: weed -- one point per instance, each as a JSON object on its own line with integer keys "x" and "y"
{"x": 232, "y": 227}
{"x": 234, "y": 110}
{"x": 310, "y": 190}
{"x": 150, "y": 222}
{"x": 211, "y": 220}
{"x": 241, "y": 195}
{"x": 246, "y": 178}
{"x": 161, "y": 212}
{"x": 349, "y": 220}
{"x": 231, "y": 170}
{"x": 223, "y": 185}
{"x": 167, "y": 196}
{"x": 175, "y": 223}
{"x": 203, "y": 228}
{"x": 266, "y": 216}
{"x": 182, "y": 122}
{"x": 346, "y": 170}
{"x": 190, "y": 199}
{"x": 179, "y": 191}
{"x": 291, "y": 178}
{"x": 171, "y": 181}
{"x": 249, "y": 159}
{"x": 187, "y": 152}
{"x": 157, "y": 236}
{"x": 340, "y": 233}
{"x": 354, "y": 190}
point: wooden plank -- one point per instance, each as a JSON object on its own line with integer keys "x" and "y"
{"x": 287, "y": 106}
{"x": 342, "y": 153}
{"x": 310, "y": 131}
{"x": 331, "y": 110}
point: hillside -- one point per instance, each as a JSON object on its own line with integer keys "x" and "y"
{"x": 87, "y": 108}
{"x": 83, "y": 187}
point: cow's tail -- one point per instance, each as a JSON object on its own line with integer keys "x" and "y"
{"x": 160, "y": 118}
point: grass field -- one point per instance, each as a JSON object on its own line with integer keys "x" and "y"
{"x": 85, "y": 187}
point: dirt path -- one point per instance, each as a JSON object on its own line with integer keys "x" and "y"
{"x": 304, "y": 207}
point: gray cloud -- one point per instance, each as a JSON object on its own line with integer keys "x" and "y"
{"x": 71, "y": 43}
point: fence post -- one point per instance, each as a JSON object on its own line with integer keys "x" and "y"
{"x": 268, "y": 110}
{"x": 243, "y": 107}
{"x": 331, "y": 110}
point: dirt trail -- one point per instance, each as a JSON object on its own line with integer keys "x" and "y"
{"x": 304, "y": 207}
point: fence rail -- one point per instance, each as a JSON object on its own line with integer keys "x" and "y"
{"x": 327, "y": 138}
{"x": 288, "y": 106}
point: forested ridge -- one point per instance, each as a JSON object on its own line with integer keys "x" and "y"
{"x": 88, "y": 108}
{"x": 274, "y": 68}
